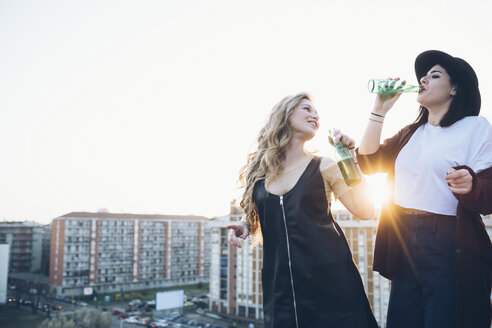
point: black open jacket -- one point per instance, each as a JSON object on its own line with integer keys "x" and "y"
{"x": 473, "y": 247}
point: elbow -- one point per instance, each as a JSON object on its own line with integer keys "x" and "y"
{"x": 359, "y": 202}
{"x": 365, "y": 217}
{"x": 366, "y": 212}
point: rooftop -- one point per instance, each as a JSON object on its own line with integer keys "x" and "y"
{"x": 105, "y": 215}
{"x": 17, "y": 224}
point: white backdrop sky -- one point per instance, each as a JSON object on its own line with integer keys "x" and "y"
{"x": 152, "y": 106}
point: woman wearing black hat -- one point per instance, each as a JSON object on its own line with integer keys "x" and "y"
{"x": 431, "y": 241}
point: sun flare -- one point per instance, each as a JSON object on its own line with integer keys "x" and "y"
{"x": 379, "y": 189}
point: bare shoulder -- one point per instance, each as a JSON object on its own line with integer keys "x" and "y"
{"x": 326, "y": 163}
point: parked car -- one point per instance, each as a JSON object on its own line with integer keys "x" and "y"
{"x": 117, "y": 311}
{"x": 124, "y": 315}
{"x": 158, "y": 323}
{"x": 132, "y": 319}
{"x": 143, "y": 321}
{"x": 56, "y": 307}
{"x": 135, "y": 302}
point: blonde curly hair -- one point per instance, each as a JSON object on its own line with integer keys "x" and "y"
{"x": 267, "y": 159}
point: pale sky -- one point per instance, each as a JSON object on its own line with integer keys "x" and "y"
{"x": 152, "y": 106}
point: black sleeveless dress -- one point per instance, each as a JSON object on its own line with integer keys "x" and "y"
{"x": 309, "y": 278}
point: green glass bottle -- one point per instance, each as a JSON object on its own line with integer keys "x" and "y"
{"x": 345, "y": 162}
{"x": 390, "y": 87}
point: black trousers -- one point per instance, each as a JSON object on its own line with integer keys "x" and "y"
{"x": 423, "y": 293}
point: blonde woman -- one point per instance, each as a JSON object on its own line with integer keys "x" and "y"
{"x": 308, "y": 276}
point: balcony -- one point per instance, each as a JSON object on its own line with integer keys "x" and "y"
{"x": 20, "y": 264}
{"x": 20, "y": 251}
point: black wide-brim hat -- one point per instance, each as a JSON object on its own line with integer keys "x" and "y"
{"x": 455, "y": 66}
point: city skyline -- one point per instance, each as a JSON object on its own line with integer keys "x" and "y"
{"x": 122, "y": 253}
{"x": 153, "y": 107}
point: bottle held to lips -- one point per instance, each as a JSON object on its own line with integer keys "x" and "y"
{"x": 390, "y": 87}
{"x": 345, "y": 162}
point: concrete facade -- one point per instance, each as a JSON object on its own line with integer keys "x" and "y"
{"x": 4, "y": 270}
{"x": 121, "y": 252}
{"x": 25, "y": 240}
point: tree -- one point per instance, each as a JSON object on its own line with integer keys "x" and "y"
{"x": 137, "y": 295}
{"x": 91, "y": 318}
{"x": 82, "y": 318}
{"x": 61, "y": 322}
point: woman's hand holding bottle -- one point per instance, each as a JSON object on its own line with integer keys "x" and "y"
{"x": 339, "y": 136}
{"x": 384, "y": 102}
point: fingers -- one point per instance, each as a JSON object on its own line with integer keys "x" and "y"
{"x": 457, "y": 176}
{"x": 459, "y": 181}
{"x": 460, "y": 184}
{"x": 238, "y": 229}
{"x": 233, "y": 240}
{"x": 389, "y": 98}
{"x": 386, "y": 102}
{"x": 461, "y": 191}
{"x": 346, "y": 140}
{"x": 391, "y": 82}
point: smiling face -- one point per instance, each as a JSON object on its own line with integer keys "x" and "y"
{"x": 437, "y": 90}
{"x": 304, "y": 120}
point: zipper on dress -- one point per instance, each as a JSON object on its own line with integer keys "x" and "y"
{"x": 290, "y": 262}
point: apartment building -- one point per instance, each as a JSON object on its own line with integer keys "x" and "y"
{"x": 45, "y": 250}
{"x": 4, "y": 266}
{"x": 25, "y": 240}
{"x": 235, "y": 273}
{"x": 235, "y": 280}
{"x": 120, "y": 252}
{"x": 361, "y": 237}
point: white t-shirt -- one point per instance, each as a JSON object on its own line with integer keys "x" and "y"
{"x": 422, "y": 164}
